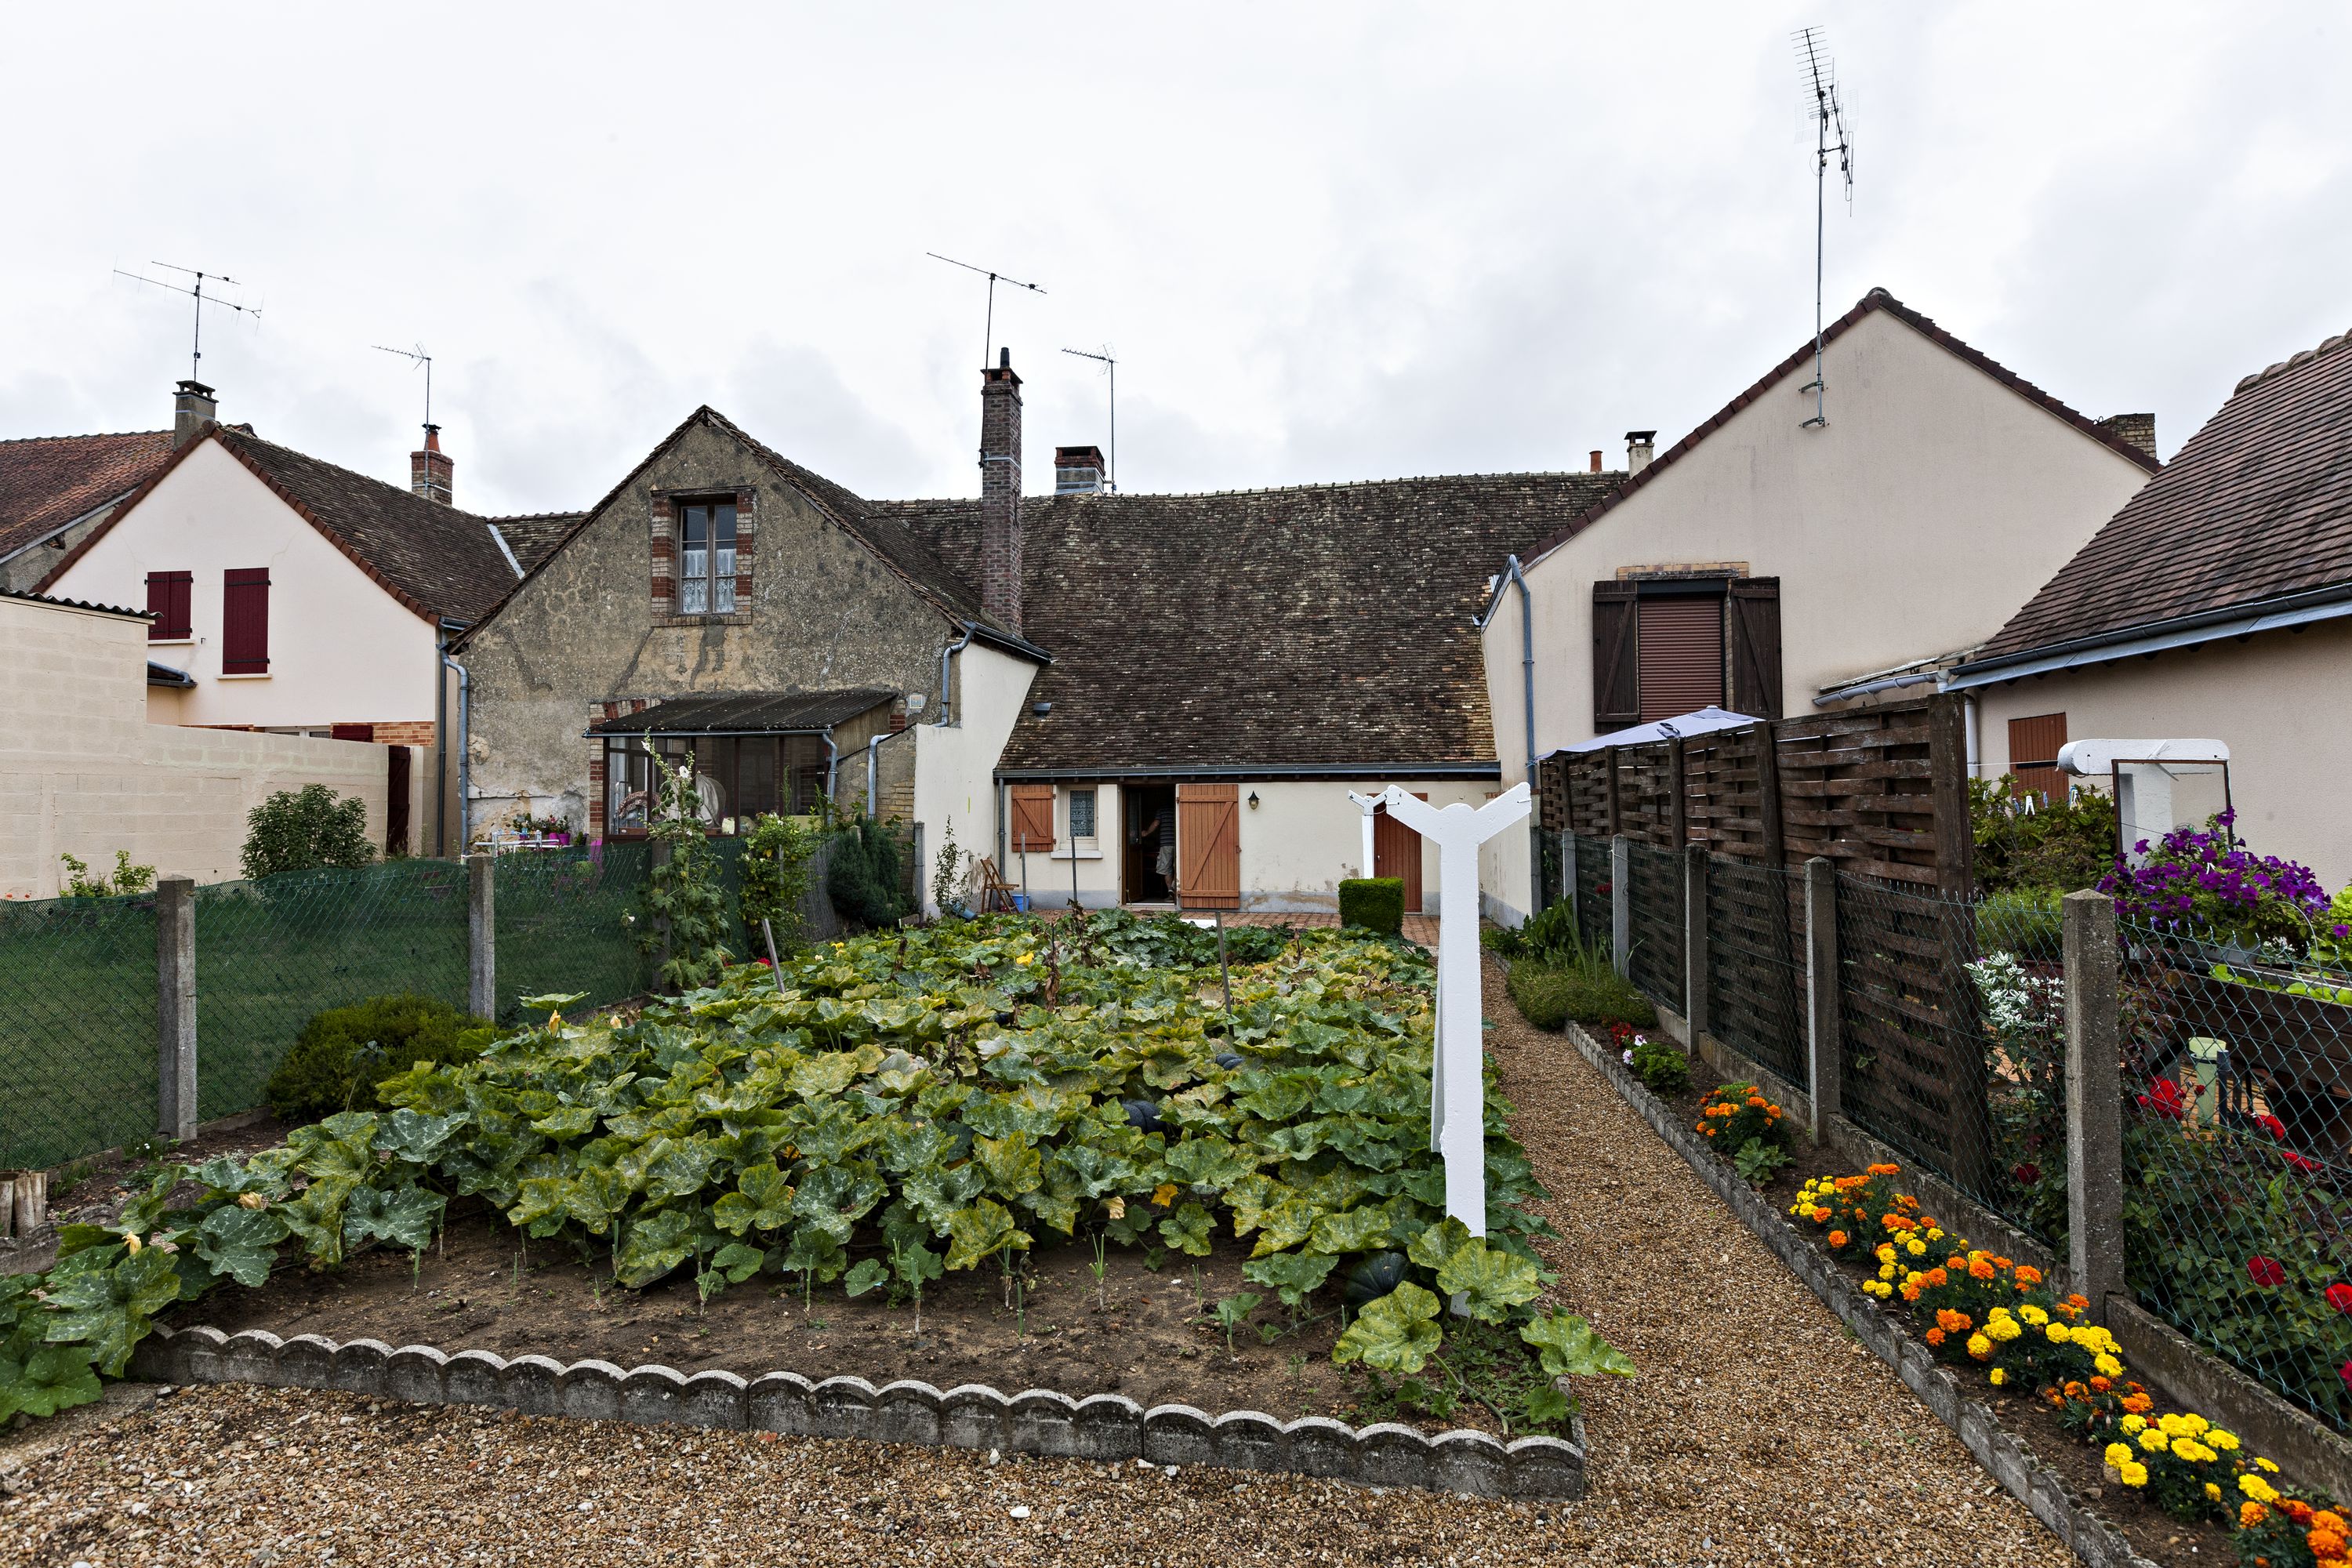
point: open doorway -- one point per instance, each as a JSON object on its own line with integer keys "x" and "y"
{"x": 1149, "y": 860}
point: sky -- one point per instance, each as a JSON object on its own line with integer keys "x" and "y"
{"x": 1324, "y": 242}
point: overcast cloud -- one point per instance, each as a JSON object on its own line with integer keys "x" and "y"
{"x": 1327, "y": 242}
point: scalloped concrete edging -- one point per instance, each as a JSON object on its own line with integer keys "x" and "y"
{"x": 1103, "y": 1426}
{"x": 2004, "y": 1456}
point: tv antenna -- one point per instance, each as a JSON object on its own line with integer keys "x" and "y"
{"x": 418, "y": 356}
{"x": 196, "y": 347}
{"x": 988, "y": 346}
{"x": 1110, "y": 364}
{"x": 1819, "y": 76}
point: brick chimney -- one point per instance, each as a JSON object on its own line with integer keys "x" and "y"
{"x": 191, "y": 411}
{"x": 1596, "y": 459}
{"x": 428, "y": 470}
{"x": 1000, "y": 492}
{"x": 2137, "y": 429}
{"x": 1077, "y": 471}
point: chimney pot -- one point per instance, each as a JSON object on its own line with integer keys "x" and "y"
{"x": 1640, "y": 446}
{"x": 1000, "y": 492}
{"x": 1596, "y": 459}
{"x": 429, "y": 472}
{"x": 193, "y": 411}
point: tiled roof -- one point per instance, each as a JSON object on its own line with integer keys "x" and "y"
{"x": 533, "y": 538}
{"x": 2109, "y": 433}
{"x": 76, "y": 605}
{"x": 47, "y": 482}
{"x": 2256, "y": 506}
{"x": 1320, "y": 626}
{"x": 746, "y": 713}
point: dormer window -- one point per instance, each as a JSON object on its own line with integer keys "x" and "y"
{"x": 705, "y": 558}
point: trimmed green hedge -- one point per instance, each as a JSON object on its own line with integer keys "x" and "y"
{"x": 1584, "y": 993}
{"x": 344, "y": 1052}
{"x": 1375, "y": 903}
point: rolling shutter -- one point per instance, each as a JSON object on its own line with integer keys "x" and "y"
{"x": 1679, "y": 652}
{"x": 168, "y": 593}
{"x": 2033, "y": 745}
{"x": 244, "y": 621}
{"x": 1754, "y": 623}
{"x": 1616, "y": 691}
{"x": 1032, "y": 825}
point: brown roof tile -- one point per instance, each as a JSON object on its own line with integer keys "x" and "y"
{"x": 2255, "y": 506}
{"x": 533, "y": 537}
{"x": 47, "y": 482}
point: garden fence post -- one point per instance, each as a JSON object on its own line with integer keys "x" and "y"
{"x": 175, "y": 1007}
{"x": 482, "y": 935}
{"x": 1824, "y": 1044}
{"x": 1695, "y": 954}
{"x": 1621, "y": 903}
{"x": 2094, "y": 1192}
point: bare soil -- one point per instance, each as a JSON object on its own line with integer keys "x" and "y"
{"x": 1140, "y": 1335}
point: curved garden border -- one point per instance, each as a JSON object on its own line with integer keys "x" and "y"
{"x": 1103, "y": 1426}
{"x": 2007, "y": 1459}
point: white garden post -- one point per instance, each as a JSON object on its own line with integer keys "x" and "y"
{"x": 1367, "y": 804}
{"x": 1457, "y": 1111}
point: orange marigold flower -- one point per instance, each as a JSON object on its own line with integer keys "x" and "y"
{"x": 2101, "y": 1383}
{"x": 1885, "y": 1170}
{"x": 1956, "y": 1263}
{"x": 2028, "y": 1275}
{"x": 1837, "y": 1238}
{"x": 1935, "y": 1337}
{"x": 2327, "y": 1518}
{"x": 1935, "y": 1277}
{"x": 2078, "y": 1301}
{"x": 2295, "y": 1510}
{"x": 2251, "y": 1513}
{"x": 2325, "y": 1543}
{"x": 1953, "y": 1322}
{"x": 1910, "y": 1292}
{"x": 2073, "y": 1390}
{"x": 1756, "y": 1100}
{"x": 1980, "y": 1269}
{"x": 2139, "y": 1404}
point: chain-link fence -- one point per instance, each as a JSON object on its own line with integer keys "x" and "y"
{"x": 1655, "y": 886}
{"x": 271, "y": 953}
{"x": 1592, "y": 893}
{"x": 2237, "y": 1079}
{"x": 78, "y": 1048}
{"x": 1552, "y": 868}
{"x": 561, "y": 924}
{"x": 1756, "y": 966}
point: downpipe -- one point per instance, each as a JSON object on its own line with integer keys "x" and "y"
{"x": 465, "y": 757}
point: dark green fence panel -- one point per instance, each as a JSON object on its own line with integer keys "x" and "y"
{"x": 564, "y": 926}
{"x": 77, "y": 1027}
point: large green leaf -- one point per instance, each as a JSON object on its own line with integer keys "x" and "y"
{"x": 1208, "y": 1161}
{"x": 1440, "y": 1242}
{"x": 1398, "y": 1333}
{"x": 763, "y": 1201}
{"x": 1186, "y": 1230}
{"x": 1357, "y": 1230}
{"x": 404, "y": 1218}
{"x": 981, "y": 1231}
{"x": 417, "y": 1137}
{"x": 938, "y": 1196}
{"x": 1011, "y": 1165}
{"x": 1293, "y": 1276}
{"x": 1489, "y": 1282}
{"x": 240, "y": 1243}
{"x": 653, "y": 1245}
{"x": 47, "y": 1379}
{"x": 835, "y": 1198}
{"x": 109, "y": 1310}
{"x": 1568, "y": 1348}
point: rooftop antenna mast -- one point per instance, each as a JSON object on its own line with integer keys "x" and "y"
{"x": 988, "y": 335}
{"x": 418, "y": 356}
{"x": 1109, "y": 363}
{"x": 1818, "y": 74}
{"x": 196, "y": 345}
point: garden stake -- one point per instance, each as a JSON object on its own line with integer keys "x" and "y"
{"x": 775, "y": 968}
{"x": 1225, "y": 973}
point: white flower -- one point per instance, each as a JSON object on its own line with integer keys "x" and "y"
{"x": 1629, "y": 1059}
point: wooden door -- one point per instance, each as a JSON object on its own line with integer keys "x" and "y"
{"x": 1209, "y": 846}
{"x": 1396, "y": 852}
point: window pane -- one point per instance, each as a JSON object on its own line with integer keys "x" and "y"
{"x": 1082, "y": 814}
{"x": 625, "y": 772}
{"x": 755, "y": 789}
{"x": 722, "y": 525}
{"x": 693, "y": 585}
{"x": 694, "y": 528}
{"x": 722, "y": 583}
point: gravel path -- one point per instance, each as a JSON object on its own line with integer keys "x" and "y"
{"x": 1757, "y": 1434}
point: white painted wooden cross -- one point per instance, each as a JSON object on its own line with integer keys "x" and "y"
{"x": 1367, "y": 804}
{"x": 1458, "y": 1106}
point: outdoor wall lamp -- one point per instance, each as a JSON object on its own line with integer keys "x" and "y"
{"x": 1253, "y": 800}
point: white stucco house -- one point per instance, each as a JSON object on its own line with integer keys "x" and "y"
{"x": 292, "y": 596}
{"x": 1773, "y": 564}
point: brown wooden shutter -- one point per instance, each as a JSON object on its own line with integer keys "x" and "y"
{"x": 351, "y": 732}
{"x": 1754, "y": 612}
{"x": 1616, "y": 679}
{"x": 244, "y": 621}
{"x": 167, "y": 600}
{"x": 1032, "y": 825}
{"x": 395, "y": 800}
{"x": 1679, "y": 652}
{"x": 1208, "y": 845}
{"x": 2033, "y": 745}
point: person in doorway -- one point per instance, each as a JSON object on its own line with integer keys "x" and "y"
{"x": 1160, "y": 830}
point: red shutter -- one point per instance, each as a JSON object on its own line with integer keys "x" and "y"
{"x": 244, "y": 621}
{"x": 1032, "y": 828}
{"x": 1616, "y": 695}
{"x": 167, "y": 601}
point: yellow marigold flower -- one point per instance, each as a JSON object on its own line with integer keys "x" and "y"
{"x": 1914, "y": 1246}
{"x": 2033, "y": 1315}
{"x": 2117, "y": 1454}
{"x": 2108, "y": 1366}
{"x": 2155, "y": 1442}
{"x": 2225, "y": 1441}
{"x": 2056, "y": 1334}
{"x": 2134, "y": 1475}
{"x": 2212, "y": 1491}
{"x": 2196, "y": 1426}
{"x": 2266, "y": 1464}
{"x": 1935, "y": 1234}
{"x": 1887, "y": 1272}
{"x": 2195, "y": 1452}
{"x": 1980, "y": 1346}
{"x": 1886, "y": 1252}
{"x": 2173, "y": 1425}
{"x": 2258, "y": 1489}
{"x": 1998, "y": 1377}
{"x": 2132, "y": 1424}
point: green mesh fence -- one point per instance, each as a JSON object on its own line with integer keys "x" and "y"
{"x": 561, "y": 925}
{"x": 271, "y": 953}
{"x": 78, "y": 1040}
{"x": 2237, "y": 1223}
{"x": 1654, "y": 963}
{"x": 1756, "y": 966}
{"x": 1592, "y": 893}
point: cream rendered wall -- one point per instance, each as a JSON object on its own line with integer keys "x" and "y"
{"x": 1306, "y": 835}
{"x": 2276, "y": 699}
{"x": 81, "y": 769}
{"x": 1932, "y": 505}
{"x": 955, "y": 764}
{"x": 340, "y": 647}
{"x": 1099, "y": 861}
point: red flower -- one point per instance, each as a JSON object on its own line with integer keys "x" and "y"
{"x": 2265, "y": 1271}
{"x": 2300, "y": 1162}
{"x": 763, "y": 962}
{"x": 2027, "y": 1175}
{"x": 2272, "y": 1125}
{"x": 2345, "y": 1372}
{"x": 2339, "y": 1295}
{"x": 2164, "y": 1098}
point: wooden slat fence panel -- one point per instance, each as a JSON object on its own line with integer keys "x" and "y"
{"x": 1756, "y": 979}
{"x": 1656, "y": 964}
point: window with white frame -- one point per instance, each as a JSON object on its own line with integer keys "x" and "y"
{"x": 1082, "y": 813}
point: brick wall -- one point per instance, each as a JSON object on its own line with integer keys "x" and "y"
{"x": 1000, "y": 492}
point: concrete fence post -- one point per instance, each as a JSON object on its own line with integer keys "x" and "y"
{"x": 2094, "y": 1152}
{"x": 1696, "y": 968}
{"x": 1824, "y": 1042}
{"x": 482, "y": 935}
{"x": 1621, "y": 903}
{"x": 175, "y": 1007}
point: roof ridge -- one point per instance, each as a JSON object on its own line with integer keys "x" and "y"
{"x": 228, "y": 431}
{"x": 2293, "y": 362}
{"x": 1267, "y": 490}
{"x": 85, "y": 436}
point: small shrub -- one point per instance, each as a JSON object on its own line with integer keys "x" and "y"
{"x": 1593, "y": 993}
{"x": 2063, "y": 846}
{"x": 1372, "y": 903}
{"x": 681, "y": 914}
{"x": 948, "y": 873}
{"x": 127, "y": 878}
{"x": 300, "y": 830}
{"x": 1657, "y": 1062}
{"x": 774, "y": 879}
{"x": 344, "y": 1052}
{"x": 1736, "y": 1115}
{"x": 2026, "y": 921}
{"x": 863, "y": 878}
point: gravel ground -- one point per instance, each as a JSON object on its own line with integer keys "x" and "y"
{"x": 1758, "y": 1433}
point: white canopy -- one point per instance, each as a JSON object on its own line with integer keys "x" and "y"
{"x": 1699, "y": 723}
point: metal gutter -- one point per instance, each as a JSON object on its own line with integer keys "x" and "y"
{"x": 872, "y": 751}
{"x": 1868, "y": 688}
{"x": 1006, "y": 641}
{"x": 2185, "y": 631}
{"x": 947, "y": 651}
